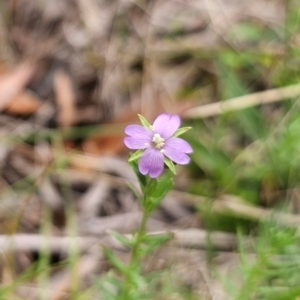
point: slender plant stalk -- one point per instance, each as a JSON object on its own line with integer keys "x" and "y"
{"x": 139, "y": 238}
{"x": 135, "y": 256}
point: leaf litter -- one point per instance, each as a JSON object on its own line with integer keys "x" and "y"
{"x": 98, "y": 63}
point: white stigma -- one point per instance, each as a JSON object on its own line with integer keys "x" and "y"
{"x": 158, "y": 141}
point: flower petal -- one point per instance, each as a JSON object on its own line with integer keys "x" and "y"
{"x": 138, "y": 131}
{"x": 177, "y": 156}
{"x": 166, "y": 125}
{"x": 136, "y": 143}
{"x": 152, "y": 162}
{"x": 179, "y": 144}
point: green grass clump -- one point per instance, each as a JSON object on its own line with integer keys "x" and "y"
{"x": 272, "y": 272}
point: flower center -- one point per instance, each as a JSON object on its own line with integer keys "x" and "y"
{"x": 158, "y": 141}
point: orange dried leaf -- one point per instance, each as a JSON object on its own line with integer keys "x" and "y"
{"x": 112, "y": 144}
{"x": 13, "y": 82}
{"x": 25, "y": 103}
{"x": 104, "y": 146}
{"x": 65, "y": 98}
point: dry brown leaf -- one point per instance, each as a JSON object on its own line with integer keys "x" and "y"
{"x": 109, "y": 145}
{"x": 103, "y": 146}
{"x": 25, "y": 103}
{"x": 65, "y": 98}
{"x": 13, "y": 82}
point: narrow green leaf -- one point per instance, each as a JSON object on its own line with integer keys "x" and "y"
{"x": 142, "y": 179}
{"x": 151, "y": 185}
{"x": 181, "y": 131}
{"x": 144, "y": 122}
{"x": 158, "y": 239}
{"x": 136, "y": 155}
{"x": 164, "y": 185}
{"x": 139, "y": 282}
{"x": 109, "y": 285}
{"x": 135, "y": 192}
{"x": 122, "y": 239}
{"x": 155, "y": 194}
{"x": 152, "y": 242}
{"x": 170, "y": 164}
{"x": 115, "y": 261}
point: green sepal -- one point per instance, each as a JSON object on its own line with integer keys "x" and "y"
{"x": 144, "y": 122}
{"x": 181, "y": 131}
{"x": 170, "y": 164}
{"x": 136, "y": 155}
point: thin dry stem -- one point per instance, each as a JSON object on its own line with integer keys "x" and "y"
{"x": 265, "y": 97}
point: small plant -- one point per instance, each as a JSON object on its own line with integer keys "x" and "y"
{"x": 273, "y": 272}
{"x": 158, "y": 146}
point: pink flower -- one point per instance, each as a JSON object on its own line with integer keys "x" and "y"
{"x": 158, "y": 141}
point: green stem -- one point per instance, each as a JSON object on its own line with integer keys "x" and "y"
{"x": 139, "y": 237}
{"x": 135, "y": 257}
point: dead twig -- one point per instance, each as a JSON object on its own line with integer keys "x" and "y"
{"x": 123, "y": 223}
{"x": 230, "y": 205}
{"x": 36, "y": 242}
{"x": 188, "y": 238}
{"x": 265, "y": 97}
